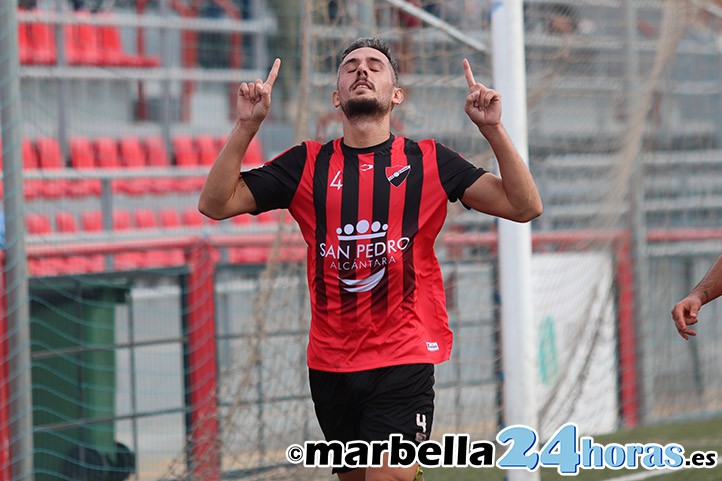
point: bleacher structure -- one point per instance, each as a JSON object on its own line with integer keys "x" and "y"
{"x": 171, "y": 346}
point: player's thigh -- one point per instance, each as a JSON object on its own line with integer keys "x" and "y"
{"x": 358, "y": 474}
{"x": 402, "y": 402}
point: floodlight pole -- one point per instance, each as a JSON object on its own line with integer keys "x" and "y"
{"x": 518, "y": 330}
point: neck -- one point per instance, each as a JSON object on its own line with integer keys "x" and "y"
{"x": 366, "y": 132}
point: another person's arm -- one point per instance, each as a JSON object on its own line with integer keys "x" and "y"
{"x": 684, "y": 313}
{"x": 514, "y": 196}
{"x": 224, "y": 193}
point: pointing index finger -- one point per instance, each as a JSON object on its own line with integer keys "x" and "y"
{"x": 273, "y": 74}
{"x": 468, "y": 74}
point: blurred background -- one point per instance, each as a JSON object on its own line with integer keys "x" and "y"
{"x": 142, "y": 341}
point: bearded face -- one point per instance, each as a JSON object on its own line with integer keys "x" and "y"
{"x": 366, "y": 86}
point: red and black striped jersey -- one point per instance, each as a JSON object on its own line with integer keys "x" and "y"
{"x": 370, "y": 218}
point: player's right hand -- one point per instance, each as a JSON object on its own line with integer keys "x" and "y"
{"x": 254, "y": 98}
{"x": 684, "y": 314}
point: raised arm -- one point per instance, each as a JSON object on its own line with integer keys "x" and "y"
{"x": 514, "y": 196}
{"x": 224, "y": 193}
{"x": 684, "y": 313}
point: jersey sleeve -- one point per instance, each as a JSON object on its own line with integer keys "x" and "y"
{"x": 456, "y": 173}
{"x": 274, "y": 184}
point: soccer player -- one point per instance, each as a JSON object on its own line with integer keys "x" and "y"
{"x": 684, "y": 313}
{"x": 370, "y": 206}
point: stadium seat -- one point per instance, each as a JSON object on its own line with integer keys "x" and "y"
{"x": 92, "y": 221}
{"x": 121, "y": 220}
{"x": 248, "y": 255}
{"x": 207, "y": 149}
{"x": 65, "y": 223}
{"x": 242, "y": 220}
{"x": 169, "y": 219}
{"x": 32, "y": 188}
{"x": 186, "y": 156}
{"x": 125, "y": 260}
{"x": 38, "y": 224}
{"x": 51, "y": 158}
{"x": 24, "y": 46}
{"x": 43, "y": 49}
{"x": 133, "y": 156}
{"x": 73, "y": 49}
{"x": 192, "y": 218}
{"x": 158, "y": 159}
{"x": 145, "y": 219}
{"x": 87, "y": 40}
{"x": 82, "y": 158}
{"x": 106, "y": 156}
{"x": 254, "y": 155}
{"x": 113, "y": 53}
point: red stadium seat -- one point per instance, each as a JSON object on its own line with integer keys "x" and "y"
{"x": 186, "y": 156}
{"x": 38, "y": 224}
{"x": 121, "y": 220}
{"x": 42, "y": 44}
{"x": 82, "y": 158}
{"x": 32, "y": 188}
{"x": 92, "y": 221}
{"x": 75, "y": 264}
{"x": 106, "y": 156}
{"x": 113, "y": 53}
{"x": 106, "y": 151}
{"x": 169, "y": 218}
{"x": 254, "y": 155}
{"x": 125, "y": 260}
{"x": 185, "y": 152}
{"x": 192, "y": 218}
{"x": 24, "y": 46}
{"x": 133, "y": 156}
{"x": 51, "y": 158}
{"x": 158, "y": 159}
{"x": 145, "y": 219}
{"x": 87, "y": 41}
{"x": 207, "y": 149}
{"x": 65, "y": 222}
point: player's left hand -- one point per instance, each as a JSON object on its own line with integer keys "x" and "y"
{"x": 483, "y": 105}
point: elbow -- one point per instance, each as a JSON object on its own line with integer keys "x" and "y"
{"x": 209, "y": 211}
{"x": 530, "y": 213}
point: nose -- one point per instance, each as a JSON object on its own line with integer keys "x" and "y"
{"x": 362, "y": 71}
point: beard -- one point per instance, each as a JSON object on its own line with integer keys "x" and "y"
{"x": 363, "y": 108}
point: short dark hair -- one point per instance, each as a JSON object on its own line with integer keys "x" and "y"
{"x": 375, "y": 43}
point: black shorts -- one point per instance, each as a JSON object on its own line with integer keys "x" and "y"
{"x": 372, "y": 405}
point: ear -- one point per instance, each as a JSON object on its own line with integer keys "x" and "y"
{"x": 335, "y": 99}
{"x": 397, "y": 97}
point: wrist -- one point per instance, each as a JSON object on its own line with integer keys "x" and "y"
{"x": 492, "y": 131}
{"x": 247, "y": 126}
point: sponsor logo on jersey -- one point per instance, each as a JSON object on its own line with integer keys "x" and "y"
{"x": 364, "y": 245}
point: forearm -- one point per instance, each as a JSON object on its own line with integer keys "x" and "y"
{"x": 222, "y": 182}
{"x": 710, "y": 287}
{"x": 517, "y": 181}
